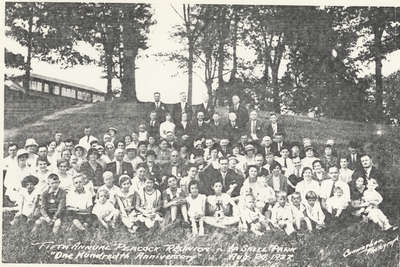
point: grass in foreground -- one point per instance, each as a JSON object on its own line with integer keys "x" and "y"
{"x": 318, "y": 249}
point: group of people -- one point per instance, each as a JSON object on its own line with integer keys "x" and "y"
{"x": 186, "y": 165}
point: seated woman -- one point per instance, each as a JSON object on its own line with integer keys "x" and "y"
{"x": 276, "y": 180}
{"x": 126, "y": 203}
{"x": 148, "y": 204}
{"x": 220, "y": 207}
{"x": 92, "y": 169}
{"x": 308, "y": 184}
{"x": 163, "y": 153}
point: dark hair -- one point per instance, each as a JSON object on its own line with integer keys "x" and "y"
{"x": 70, "y": 140}
{"x": 53, "y": 177}
{"x": 43, "y": 159}
{"x": 305, "y": 169}
{"x": 274, "y": 164}
{"x": 42, "y": 145}
{"x": 94, "y": 141}
{"x": 248, "y": 169}
{"x": 192, "y": 182}
{"x": 141, "y": 165}
{"x": 93, "y": 151}
{"x": 317, "y": 161}
{"x": 311, "y": 195}
{"x": 13, "y": 144}
{"x": 60, "y": 161}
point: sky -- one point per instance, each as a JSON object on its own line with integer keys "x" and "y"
{"x": 154, "y": 73}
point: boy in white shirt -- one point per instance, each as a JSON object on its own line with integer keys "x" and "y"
{"x": 314, "y": 211}
{"x": 299, "y": 212}
{"x": 282, "y": 215}
{"x": 336, "y": 204}
{"x": 252, "y": 218}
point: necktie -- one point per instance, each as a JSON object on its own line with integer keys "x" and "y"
{"x": 285, "y": 163}
{"x": 88, "y": 138}
{"x": 253, "y": 124}
{"x": 119, "y": 169}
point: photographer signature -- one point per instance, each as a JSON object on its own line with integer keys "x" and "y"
{"x": 372, "y": 247}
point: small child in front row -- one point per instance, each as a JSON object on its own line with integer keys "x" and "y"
{"x": 252, "y": 217}
{"x": 282, "y": 215}
{"x": 126, "y": 203}
{"x": 372, "y": 200}
{"x": 112, "y": 189}
{"x": 148, "y": 204}
{"x": 314, "y": 211}
{"x": 174, "y": 199}
{"x": 299, "y": 212}
{"x": 27, "y": 203}
{"x": 196, "y": 208}
{"x": 336, "y": 204}
{"x": 105, "y": 211}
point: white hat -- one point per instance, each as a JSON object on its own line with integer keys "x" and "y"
{"x": 21, "y": 152}
{"x": 30, "y": 142}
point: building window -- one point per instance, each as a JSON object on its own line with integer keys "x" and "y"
{"x": 56, "y": 90}
{"x": 46, "y": 88}
{"x": 68, "y": 92}
{"x": 97, "y": 98}
{"x": 85, "y": 96}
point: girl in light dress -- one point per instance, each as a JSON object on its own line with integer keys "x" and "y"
{"x": 126, "y": 204}
{"x": 196, "y": 208}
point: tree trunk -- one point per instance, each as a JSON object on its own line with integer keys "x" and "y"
{"x": 234, "y": 46}
{"x": 275, "y": 92}
{"x": 190, "y": 71}
{"x": 27, "y": 77}
{"x": 378, "y": 74}
{"x": 129, "y": 61}
{"x": 109, "y": 67}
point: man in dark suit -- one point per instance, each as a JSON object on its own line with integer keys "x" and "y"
{"x": 259, "y": 159}
{"x": 240, "y": 110}
{"x": 184, "y": 128}
{"x": 182, "y": 107}
{"x": 153, "y": 126}
{"x": 216, "y": 129}
{"x": 368, "y": 171}
{"x": 119, "y": 167}
{"x": 353, "y": 158}
{"x": 274, "y": 126}
{"x": 199, "y": 126}
{"x": 159, "y": 107}
{"x": 278, "y": 144}
{"x": 232, "y": 129}
{"x": 153, "y": 168}
{"x": 231, "y": 181}
{"x": 266, "y": 146}
{"x": 207, "y": 108}
{"x": 254, "y": 127}
{"x": 174, "y": 167}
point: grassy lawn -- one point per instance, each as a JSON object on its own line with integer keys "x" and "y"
{"x": 325, "y": 248}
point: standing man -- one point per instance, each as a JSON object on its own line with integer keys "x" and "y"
{"x": 87, "y": 138}
{"x": 240, "y": 110}
{"x": 275, "y": 127}
{"x": 182, "y": 107}
{"x": 254, "y": 127}
{"x": 158, "y": 107}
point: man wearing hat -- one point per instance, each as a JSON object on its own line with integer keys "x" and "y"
{"x": 119, "y": 166}
{"x": 28, "y": 200}
{"x": 87, "y": 138}
{"x": 31, "y": 146}
{"x": 14, "y": 176}
{"x": 250, "y": 155}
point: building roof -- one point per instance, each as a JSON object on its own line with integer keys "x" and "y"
{"x": 11, "y": 85}
{"x": 68, "y": 83}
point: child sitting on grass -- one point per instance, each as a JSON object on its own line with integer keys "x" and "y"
{"x": 196, "y": 208}
{"x": 220, "y": 207}
{"x": 148, "y": 204}
{"x": 79, "y": 205}
{"x": 372, "y": 199}
{"x": 105, "y": 211}
{"x": 281, "y": 214}
{"x": 252, "y": 218}
{"x": 27, "y": 203}
{"x": 52, "y": 205}
{"x": 174, "y": 200}
{"x": 192, "y": 171}
{"x": 314, "y": 211}
{"x": 299, "y": 213}
{"x": 110, "y": 187}
{"x": 126, "y": 203}
{"x": 336, "y": 204}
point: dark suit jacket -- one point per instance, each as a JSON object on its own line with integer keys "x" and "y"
{"x": 160, "y": 111}
{"x": 354, "y": 165}
{"x": 166, "y": 169}
{"x": 275, "y": 150}
{"x": 242, "y": 115}
{"x": 232, "y": 133}
{"x": 199, "y": 131}
{"x": 177, "y": 112}
{"x": 231, "y": 178}
{"x": 96, "y": 176}
{"x": 283, "y": 182}
{"x": 155, "y": 172}
{"x": 215, "y": 131}
{"x": 264, "y": 151}
{"x": 153, "y": 130}
{"x": 269, "y": 131}
{"x": 126, "y": 169}
{"x": 208, "y": 111}
{"x": 259, "y": 129}
{"x": 180, "y": 130}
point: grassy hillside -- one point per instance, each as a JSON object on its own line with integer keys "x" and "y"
{"x": 325, "y": 248}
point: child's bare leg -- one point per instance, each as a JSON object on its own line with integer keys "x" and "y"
{"x": 174, "y": 211}
{"x": 201, "y": 227}
{"x": 115, "y": 218}
{"x": 289, "y": 229}
{"x": 78, "y": 225}
{"x": 308, "y": 223}
{"x": 255, "y": 228}
{"x": 56, "y": 226}
{"x": 17, "y": 219}
{"x": 37, "y": 224}
{"x": 184, "y": 212}
{"x": 194, "y": 226}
